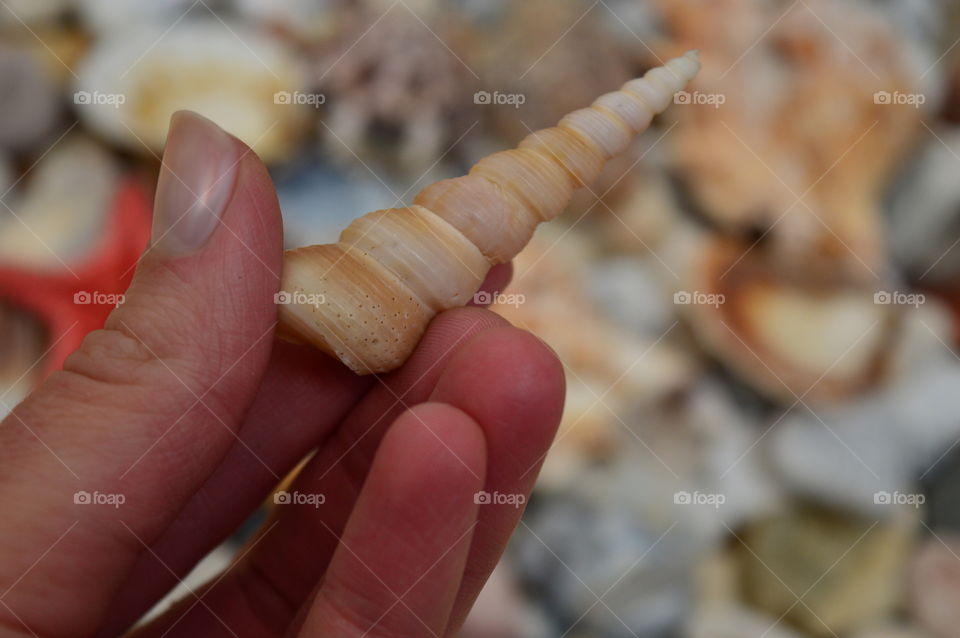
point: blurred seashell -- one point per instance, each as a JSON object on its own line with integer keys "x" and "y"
{"x": 800, "y": 116}
{"x": 557, "y": 55}
{"x": 48, "y": 224}
{"x": 846, "y": 455}
{"x": 736, "y": 622}
{"x": 134, "y": 80}
{"x": 58, "y": 47}
{"x": 108, "y": 16}
{"x": 642, "y": 210}
{"x": 724, "y": 435}
{"x": 925, "y": 211}
{"x": 935, "y": 584}
{"x": 591, "y": 538}
{"x": 893, "y": 630}
{"x": 14, "y": 13}
{"x": 785, "y": 336}
{"x": 399, "y": 91}
{"x": 310, "y": 20}
{"x": 29, "y": 101}
{"x": 630, "y": 292}
{"x": 610, "y": 376}
{"x": 632, "y": 24}
{"x": 847, "y": 569}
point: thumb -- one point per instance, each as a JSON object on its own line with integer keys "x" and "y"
{"x": 146, "y": 407}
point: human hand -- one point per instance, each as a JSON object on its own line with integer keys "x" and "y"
{"x": 185, "y": 409}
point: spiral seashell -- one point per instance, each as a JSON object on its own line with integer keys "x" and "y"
{"x": 368, "y": 299}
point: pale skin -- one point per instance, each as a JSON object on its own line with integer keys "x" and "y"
{"x": 187, "y": 406}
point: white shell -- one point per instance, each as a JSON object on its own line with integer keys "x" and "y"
{"x": 134, "y": 80}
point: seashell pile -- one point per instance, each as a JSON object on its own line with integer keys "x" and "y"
{"x": 756, "y": 303}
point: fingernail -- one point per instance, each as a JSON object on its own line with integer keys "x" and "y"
{"x": 196, "y": 180}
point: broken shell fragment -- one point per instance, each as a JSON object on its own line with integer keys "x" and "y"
{"x": 368, "y": 299}
{"x": 788, "y": 337}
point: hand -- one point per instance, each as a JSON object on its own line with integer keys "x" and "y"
{"x": 182, "y": 414}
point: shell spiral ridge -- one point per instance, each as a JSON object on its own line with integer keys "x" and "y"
{"x": 368, "y": 298}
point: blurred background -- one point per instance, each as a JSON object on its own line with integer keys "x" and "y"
{"x": 756, "y": 307}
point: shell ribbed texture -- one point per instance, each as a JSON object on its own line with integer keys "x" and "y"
{"x": 368, "y": 298}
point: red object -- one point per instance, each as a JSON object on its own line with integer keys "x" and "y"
{"x": 107, "y": 270}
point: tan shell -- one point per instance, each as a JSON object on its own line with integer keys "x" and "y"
{"x": 368, "y": 299}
